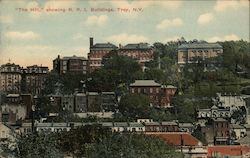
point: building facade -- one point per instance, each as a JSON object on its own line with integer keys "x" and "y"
{"x": 159, "y": 95}
{"x": 141, "y": 52}
{"x": 72, "y": 64}
{"x": 34, "y": 78}
{"x": 97, "y": 52}
{"x": 10, "y": 78}
{"x": 188, "y": 53}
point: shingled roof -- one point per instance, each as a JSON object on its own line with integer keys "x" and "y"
{"x": 145, "y": 83}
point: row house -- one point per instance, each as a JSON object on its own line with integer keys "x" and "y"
{"x": 73, "y": 64}
{"x": 188, "y": 53}
{"x": 159, "y": 95}
{"x": 10, "y": 78}
{"x": 52, "y": 127}
{"x": 161, "y": 127}
{"x": 34, "y": 78}
{"x": 85, "y": 102}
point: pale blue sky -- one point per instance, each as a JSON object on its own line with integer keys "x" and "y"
{"x": 29, "y": 38}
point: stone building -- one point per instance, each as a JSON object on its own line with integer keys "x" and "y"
{"x": 72, "y": 64}
{"x": 10, "y": 78}
{"x": 34, "y": 78}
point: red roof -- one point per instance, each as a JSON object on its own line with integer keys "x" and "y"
{"x": 229, "y": 150}
{"x": 177, "y": 138}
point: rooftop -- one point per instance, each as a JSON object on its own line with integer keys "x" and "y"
{"x": 145, "y": 83}
{"x": 74, "y": 57}
{"x": 177, "y": 138}
{"x": 229, "y": 150}
{"x": 104, "y": 45}
{"x": 168, "y": 123}
{"x": 137, "y": 46}
{"x": 200, "y": 45}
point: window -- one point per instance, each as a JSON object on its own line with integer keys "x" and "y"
{"x": 139, "y": 90}
{"x": 151, "y": 90}
{"x": 133, "y": 90}
{"x": 157, "y": 90}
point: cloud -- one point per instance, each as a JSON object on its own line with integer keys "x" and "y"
{"x": 172, "y": 4}
{"x": 125, "y": 38}
{"x": 60, "y": 4}
{"x": 29, "y": 35}
{"x": 6, "y": 19}
{"x": 97, "y": 20}
{"x": 232, "y": 4}
{"x": 166, "y": 23}
{"x": 231, "y": 37}
{"x": 205, "y": 18}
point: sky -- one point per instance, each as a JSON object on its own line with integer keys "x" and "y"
{"x": 34, "y": 32}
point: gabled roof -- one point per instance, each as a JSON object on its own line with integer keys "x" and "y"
{"x": 177, "y": 138}
{"x": 145, "y": 83}
{"x": 200, "y": 45}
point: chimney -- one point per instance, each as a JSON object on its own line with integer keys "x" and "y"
{"x": 91, "y": 42}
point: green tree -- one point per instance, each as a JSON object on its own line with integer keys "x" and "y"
{"x": 134, "y": 105}
{"x": 128, "y": 145}
{"x": 77, "y": 141}
{"x": 38, "y": 146}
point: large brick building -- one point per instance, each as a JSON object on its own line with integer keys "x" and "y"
{"x": 10, "y": 78}
{"x": 141, "y": 52}
{"x": 188, "y": 53}
{"x": 34, "y": 78}
{"x": 159, "y": 95}
{"x": 97, "y": 52}
{"x": 72, "y": 64}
